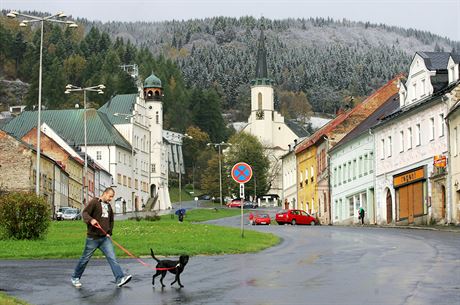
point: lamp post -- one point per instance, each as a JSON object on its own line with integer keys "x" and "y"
{"x": 71, "y": 88}
{"x": 29, "y": 20}
{"x": 220, "y": 166}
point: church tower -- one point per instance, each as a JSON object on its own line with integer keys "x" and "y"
{"x": 262, "y": 98}
{"x": 268, "y": 125}
{"x": 153, "y": 96}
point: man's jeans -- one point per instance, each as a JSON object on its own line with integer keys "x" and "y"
{"x": 106, "y": 246}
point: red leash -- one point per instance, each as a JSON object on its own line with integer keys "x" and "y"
{"x": 129, "y": 253}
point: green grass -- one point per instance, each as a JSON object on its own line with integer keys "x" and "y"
{"x": 167, "y": 237}
{"x": 8, "y": 300}
{"x": 174, "y": 195}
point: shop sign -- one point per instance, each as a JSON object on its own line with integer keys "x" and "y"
{"x": 409, "y": 177}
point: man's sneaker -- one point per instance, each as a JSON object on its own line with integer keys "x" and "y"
{"x": 76, "y": 282}
{"x": 124, "y": 280}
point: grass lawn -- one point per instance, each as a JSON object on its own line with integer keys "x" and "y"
{"x": 166, "y": 236}
{"x": 8, "y": 300}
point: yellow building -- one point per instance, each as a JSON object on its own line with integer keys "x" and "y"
{"x": 306, "y": 177}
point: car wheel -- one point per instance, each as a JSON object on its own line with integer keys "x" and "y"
{"x": 293, "y": 222}
{"x": 312, "y": 223}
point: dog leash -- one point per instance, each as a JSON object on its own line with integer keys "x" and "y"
{"x": 129, "y": 253}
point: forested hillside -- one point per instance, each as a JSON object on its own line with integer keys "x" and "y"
{"x": 328, "y": 60}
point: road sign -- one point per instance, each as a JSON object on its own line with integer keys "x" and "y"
{"x": 241, "y": 172}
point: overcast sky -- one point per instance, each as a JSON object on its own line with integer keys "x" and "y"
{"x": 437, "y": 16}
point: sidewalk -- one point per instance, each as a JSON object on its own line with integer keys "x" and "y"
{"x": 444, "y": 228}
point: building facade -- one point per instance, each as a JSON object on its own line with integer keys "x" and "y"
{"x": 409, "y": 188}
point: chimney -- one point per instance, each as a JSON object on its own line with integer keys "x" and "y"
{"x": 295, "y": 142}
{"x": 289, "y": 147}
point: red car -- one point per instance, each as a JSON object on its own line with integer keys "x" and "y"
{"x": 261, "y": 219}
{"x": 294, "y": 217}
{"x": 235, "y": 203}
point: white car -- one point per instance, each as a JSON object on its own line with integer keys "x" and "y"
{"x": 71, "y": 214}
{"x": 60, "y": 212}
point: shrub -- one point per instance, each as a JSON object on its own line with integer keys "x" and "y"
{"x": 24, "y": 216}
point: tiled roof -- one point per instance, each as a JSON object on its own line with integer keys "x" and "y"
{"x": 69, "y": 125}
{"x": 296, "y": 128}
{"x": 343, "y": 123}
{"x": 435, "y": 60}
{"x": 388, "y": 107}
{"x": 455, "y": 57}
{"x": 122, "y": 103}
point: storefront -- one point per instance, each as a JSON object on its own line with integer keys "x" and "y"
{"x": 411, "y": 194}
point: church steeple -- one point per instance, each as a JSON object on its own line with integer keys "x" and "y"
{"x": 261, "y": 66}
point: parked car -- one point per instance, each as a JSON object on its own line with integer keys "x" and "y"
{"x": 71, "y": 214}
{"x": 235, "y": 203}
{"x": 261, "y": 219}
{"x": 250, "y": 205}
{"x": 204, "y": 197}
{"x": 60, "y": 211}
{"x": 294, "y": 217}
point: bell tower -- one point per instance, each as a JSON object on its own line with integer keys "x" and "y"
{"x": 158, "y": 188}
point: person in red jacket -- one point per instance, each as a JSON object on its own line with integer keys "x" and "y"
{"x": 97, "y": 213}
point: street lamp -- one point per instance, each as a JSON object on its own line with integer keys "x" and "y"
{"x": 220, "y": 166}
{"x": 29, "y": 20}
{"x": 71, "y": 88}
{"x": 180, "y": 172}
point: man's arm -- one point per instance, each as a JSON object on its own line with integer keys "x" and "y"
{"x": 87, "y": 212}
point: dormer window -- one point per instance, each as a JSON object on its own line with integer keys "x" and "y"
{"x": 414, "y": 91}
{"x": 423, "y": 87}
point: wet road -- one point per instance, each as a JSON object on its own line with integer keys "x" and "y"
{"x": 312, "y": 265}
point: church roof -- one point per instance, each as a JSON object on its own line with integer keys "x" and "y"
{"x": 296, "y": 128}
{"x": 152, "y": 82}
{"x": 68, "y": 124}
{"x": 261, "y": 65}
{"x": 435, "y": 60}
{"x": 122, "y": 103}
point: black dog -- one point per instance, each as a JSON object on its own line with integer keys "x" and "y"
{"x": 175, "y": 267}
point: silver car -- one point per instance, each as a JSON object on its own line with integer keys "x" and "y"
{"x": 71, "y": 214}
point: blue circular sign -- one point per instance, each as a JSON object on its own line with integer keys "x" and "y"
{"x": 241, "y": 172}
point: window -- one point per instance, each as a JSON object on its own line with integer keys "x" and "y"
{"x": 124, "y": 180}
{"x": 124, "y": 159}
{"x": 454, "y": 146}
{"x": 418, "y": 136}
{"x": 409, "y": 138}
{"x": 98, "y": 155}
{"x": 119, "y": 157}
{"x": 382, "y": 148}
{"x": 360, "y": 164}
{"x": 390, "y": 146}
{"x": 366, "y": 160}
{"x": 354, "y": 169}
{"x": 431, "y": 129}
{"x": 371, "y": 160}
{"x": 312, "y": 173}
{"x": 351, "y": 208}
{"x": 345, "y": 172}
{"x": 157, "y": 118}
{"x": 401, "y": 141}
{"x": 306, "y": 176}
{"x": 340, "y": 175}
{"x": 301, "y": 180}
{"x": 259, "y": 101}
{"x": 423, "y": 87}
{"x": 119, "y": 179}
{"x": 129, "y": 181}
{"x": 349, "y": 171}
{"x": 153, "y": 168}
{"x": 414, "y": 91}
{"x": 441, "y": 125}
{"x": 335, "y": 176}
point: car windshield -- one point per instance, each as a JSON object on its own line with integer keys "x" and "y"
{"x": 263, "y": 216}
{"x": 70, "y": 211}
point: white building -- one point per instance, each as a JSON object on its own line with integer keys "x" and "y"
{"x": 267, "y": 124}
{"x": 289, "y": 172}
{"x": 409, "y": 189}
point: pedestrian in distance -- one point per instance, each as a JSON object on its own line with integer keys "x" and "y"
{"x": 251, "y": 218}
{"x": 99, "y": 214}
{"x": 361, "y": 215}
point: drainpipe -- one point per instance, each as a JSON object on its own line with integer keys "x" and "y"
{"x": 448, "y": 197}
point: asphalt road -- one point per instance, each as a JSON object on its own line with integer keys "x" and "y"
{"x": 312, "y": 265}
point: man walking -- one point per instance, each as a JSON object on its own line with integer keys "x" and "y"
{"x": 97, "y": 213}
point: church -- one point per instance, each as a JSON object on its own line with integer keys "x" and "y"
{"x": 268, "y": 125}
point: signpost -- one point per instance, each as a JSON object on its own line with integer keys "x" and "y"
{"x": 241, "y": 173}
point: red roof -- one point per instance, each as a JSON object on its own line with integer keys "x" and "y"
{"x": 338, "y": 125}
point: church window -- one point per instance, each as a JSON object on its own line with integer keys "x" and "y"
{"x": 259, "y": 101}
{"x": 157, "y": 118}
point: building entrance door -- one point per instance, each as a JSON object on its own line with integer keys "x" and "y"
{"x": 389, "y": 207}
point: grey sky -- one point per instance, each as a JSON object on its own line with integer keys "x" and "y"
{"x": 437, "y": 16}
